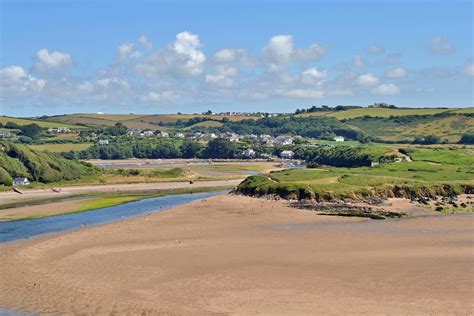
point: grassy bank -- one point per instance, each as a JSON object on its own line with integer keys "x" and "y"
{"x": 420, "y": 178}
{"x": 93, "y": 202}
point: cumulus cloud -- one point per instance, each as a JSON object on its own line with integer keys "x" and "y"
{"x": 375, "y": 49}
{"x": 157, "y": 97}
{"x": 15, "y": 81}
{"x": 302, "y": 93}
{"x": 367, "y": 80}
{"x": 126, "y": 52}
{"x": 183, "y": 58}
{"x": 386, "y": 89}
{"x": 280, "y": 51}
{"x": 113, "y": 83}
{"x": 441, "y": 45}
{"x": 143, "y": 40}
{"x": 357, "y": 61}
{"x": 399, "y": 72}
{"x": 46, "y": 61}
{"x": 468, "y": 70}
{"x": 313, "y": 75}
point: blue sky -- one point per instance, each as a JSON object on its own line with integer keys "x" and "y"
{"x": 189, "y": 56}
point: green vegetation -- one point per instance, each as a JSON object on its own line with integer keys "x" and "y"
{"x": 92, "y": 202}
{"x": 19, "y": 160}
{"x": 406, "y": 179}
{"x": 60, "y": 148}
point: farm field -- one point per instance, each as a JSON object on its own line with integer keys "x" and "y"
{"x": 41, "y": 123}
{"x": 57, "y": 148}
{"x": 385, "y": 112}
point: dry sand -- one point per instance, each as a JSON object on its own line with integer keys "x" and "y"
{"x": 238, "y": 255}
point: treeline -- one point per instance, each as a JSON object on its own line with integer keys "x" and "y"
{"x": 20, "y": 161}
{"x": 325, "y": 108}
{"x": 340, "y": 156}
{"x": 160, "y": 149}
{"x": 315, "y": 127}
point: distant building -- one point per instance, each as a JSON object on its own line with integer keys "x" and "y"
{"x": 248, "y": 153}
{"x": 162, "y": 134}
{"x": 339, "y": 139}
{"x": 5, "y": 134}
{"x": 59, "y": 130}
{"x": 134, "y": 132}
{"x": 284, "y": 140}
{"x": 21, "y": 181}
{"x": 148, "y": 133}
{"x": 103, "y": 141}
{"x": 287, "y": 154}
{"x": 179, "y": 135}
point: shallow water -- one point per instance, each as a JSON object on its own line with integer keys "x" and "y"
{"x": 24, "y": 229}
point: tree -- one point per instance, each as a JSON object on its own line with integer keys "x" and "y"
{"x": 467, "y": 138}
{"x": 190, "y": 149}
{"x": 31, "y": 130}
{"x": 220, "y": 148}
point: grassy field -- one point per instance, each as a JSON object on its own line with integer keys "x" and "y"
{"x": 134, "y": 120}
{"x": 385, "y": 112}
{"x": 42, "y": 123}
{"x": 447, "y": 129}
{"x": 57, "y": 148}
{"x": 453, "y": 172}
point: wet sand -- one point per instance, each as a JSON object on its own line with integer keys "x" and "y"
{"x": 239, "y": 255}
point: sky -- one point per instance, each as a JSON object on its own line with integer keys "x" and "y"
{"x": 271, "y": 56}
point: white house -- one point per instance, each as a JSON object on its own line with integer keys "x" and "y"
{"x": 339, "y": 139}
{"x": 248, "y": 153}
{"x": 287, "y": 154}
{"x": 179, "y": 135}
{"x": 103, "y": 141}
{"x": 134, "y": 131}
{"x": 148, "y": 133}
{"x": 21, "y": 181}
{"x": 284, "y": 140}
{"x": 163, "y": 134}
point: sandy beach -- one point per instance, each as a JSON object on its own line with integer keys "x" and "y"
{"x": 239, "y": 255}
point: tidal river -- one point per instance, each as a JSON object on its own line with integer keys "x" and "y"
{"x": 24, "y": 229}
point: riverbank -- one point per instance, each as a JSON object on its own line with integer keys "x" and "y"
{"x": 240, "y": 255}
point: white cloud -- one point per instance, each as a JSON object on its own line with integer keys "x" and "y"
{"x": 375, "y": 49}
{"x": 219, "y": 81}
{"x": 280, "y": 51}
{"x": 183, "y": 58}
{"x": 367, "y": 80}
{"x": 357, "y": 61}
{"x": 143, "y": 40}
{"x": 113, "y": 83}
{"x": 46, "y": 61}
{"x": 126, "y": 52}
{"x": 441, "y": 45}
{"x": 15, "y": 81}
{"x": 302, "y": 93}
{"x": 399, "y": 72}
{"x": 157, "y": 97}
{"x": 313, "y": 75}
{"x": 468, "y": 70}
{"x": 386, "y": 89}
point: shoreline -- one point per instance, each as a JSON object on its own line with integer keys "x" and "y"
{"x": 241, "y": 264}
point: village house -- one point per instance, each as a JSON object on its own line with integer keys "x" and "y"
{"x": 134, "y": 132}
{"x": 339, "y": 139}
{"x": 284, "y": 140}
{"x": 148, "y": 133}
{"x": 179, "y": 135}
{"x": 21, "y": 181}
{"x": 103, "y": 142}
{"x": 162, "y": 134}
{"x": 59, "y": 130}
{"x": 248, "y": 153}
{"x": 6, "y": 134}
{"x": 287, "y": 154}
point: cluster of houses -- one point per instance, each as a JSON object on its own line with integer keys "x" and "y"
{"x": 6, "y": 134}
{"x": 245, "y": 114}
{"x": 159, "y": 134}
{"x": 59, "y": 130}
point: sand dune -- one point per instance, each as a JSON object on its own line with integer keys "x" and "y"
{"x": 238, "y": 255}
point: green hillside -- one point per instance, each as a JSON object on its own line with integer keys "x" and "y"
{"x": 21, "y": 161}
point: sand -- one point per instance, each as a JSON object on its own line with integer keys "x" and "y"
{"x": 239, "y": 255}
{"x": 11, "y": 196}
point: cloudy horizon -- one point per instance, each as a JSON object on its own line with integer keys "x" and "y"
{"x": 192, "y": 67}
